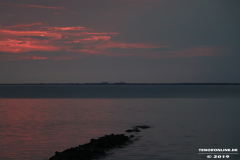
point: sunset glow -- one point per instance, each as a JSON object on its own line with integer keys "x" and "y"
{"x": 76, "y": 41}
{"x": 119, "y": 40}
{"x": 20, "y": 38}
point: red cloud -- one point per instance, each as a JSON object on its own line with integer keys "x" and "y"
{"x": 29, "y": 33}
{"x": 26, "y": 5}
{"x": 96, "y": 39}
{"x": 79, "y": 28}
{"x": 77, "y": 41}
{"x": 17, "y": 46}
{"x": 49, "y": 39}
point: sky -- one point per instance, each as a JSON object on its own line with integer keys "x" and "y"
{"x": 134, "y": 41}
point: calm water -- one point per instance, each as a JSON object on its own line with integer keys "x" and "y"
{"x": 34, "y": 128}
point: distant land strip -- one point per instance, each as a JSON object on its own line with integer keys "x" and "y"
{"x": 120, "y": 83}
{"x": 120, "y": 90}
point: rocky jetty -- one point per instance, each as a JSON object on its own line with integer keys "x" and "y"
{"x": 136, "y": 128}
{"x": 96, "y": 148}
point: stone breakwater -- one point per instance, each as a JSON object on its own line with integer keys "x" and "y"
{"x": 136, "y": 128}
{"x": 97, "y": 148}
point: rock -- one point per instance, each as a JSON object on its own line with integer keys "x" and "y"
{"x": 129, "y": 130}
{"x": 143, "y": 127}
{"x": 136, "y": 128}
{"x": 93, "y": 150}
{"x": 133, "y": 130}
{"x": 97, "y": 148}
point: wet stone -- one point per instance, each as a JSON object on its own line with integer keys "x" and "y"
{"x": 93, "y": 150}
{"x": 97, "y": 148}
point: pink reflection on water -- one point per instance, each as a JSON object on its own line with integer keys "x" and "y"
{"x": 35, "y": 128}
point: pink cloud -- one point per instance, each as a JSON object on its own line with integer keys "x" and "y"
{"x": 29, "y": 33}
{"x": 17, "y": 46}
{"x": 78, "y": 28}
{"x": 49, "y": 39}
{"x": 76, "y": 41}
{"x": 93, "y": 39}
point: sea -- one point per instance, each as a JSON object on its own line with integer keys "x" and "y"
{"x": 37, "y": 120}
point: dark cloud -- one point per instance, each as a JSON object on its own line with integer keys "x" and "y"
{"x": 37, "y": 37}
{"x": 22, "y": 43}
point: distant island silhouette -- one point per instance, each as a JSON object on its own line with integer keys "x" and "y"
{"x": 120, "y": 83}
{"x": 120, "y": 90}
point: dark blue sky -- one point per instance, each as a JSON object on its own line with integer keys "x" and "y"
{"x": 158, "y": 41}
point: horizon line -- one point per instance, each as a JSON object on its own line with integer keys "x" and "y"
{"x": 125, "y": 83}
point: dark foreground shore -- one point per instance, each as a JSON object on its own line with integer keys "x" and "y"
{"x": 97, "y": 148}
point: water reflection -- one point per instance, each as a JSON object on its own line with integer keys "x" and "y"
{"x": 40, "y": 126}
